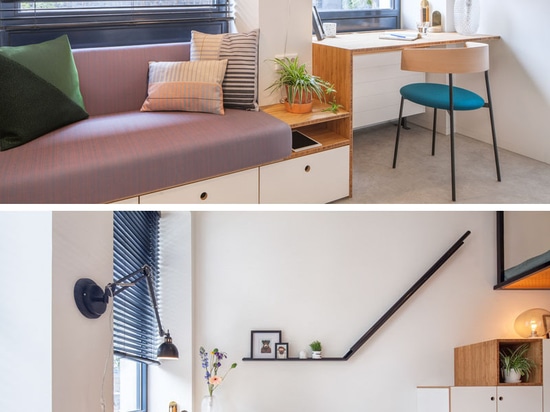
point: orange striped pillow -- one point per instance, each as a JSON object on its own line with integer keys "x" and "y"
{"x": 186, "y": 86}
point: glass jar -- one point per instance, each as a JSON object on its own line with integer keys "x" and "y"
{"x": 466, "y": 16}
{"x": 211, "y": 404}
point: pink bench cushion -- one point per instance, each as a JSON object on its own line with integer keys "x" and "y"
{"x": 110, "y": 157}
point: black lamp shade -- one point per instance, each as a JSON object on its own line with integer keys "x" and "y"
{"x": 167, "y": 350}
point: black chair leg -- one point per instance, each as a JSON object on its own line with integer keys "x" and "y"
{"x": 493, "y": 129}
{"x": 398, "y": 132}
{"x": 433, "y": 131}
{"x": 453, "y": 176}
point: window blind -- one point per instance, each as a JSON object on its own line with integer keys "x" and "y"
{"x": 34, "y": 14}
{"x": 136, "y": 240}
{"x": 93, "y": 23}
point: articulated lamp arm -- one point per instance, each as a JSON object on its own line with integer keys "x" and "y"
{"x": 92, "y": 302}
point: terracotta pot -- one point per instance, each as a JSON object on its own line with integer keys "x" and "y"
{"x": 299, "y": 105}
{"x": 298, "y": 108}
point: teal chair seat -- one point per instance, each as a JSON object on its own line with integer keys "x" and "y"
{"x": 437, "y": 96}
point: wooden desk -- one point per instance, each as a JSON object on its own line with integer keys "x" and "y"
{"x": 371, "y": 65}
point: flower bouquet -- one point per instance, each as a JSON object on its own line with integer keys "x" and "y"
{"x": 212, "y": 362}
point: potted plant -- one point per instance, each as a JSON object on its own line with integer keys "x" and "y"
{"x": 514, "y": 364}
{"x": 300, "y": 86}
{"x": 315, "y": 349}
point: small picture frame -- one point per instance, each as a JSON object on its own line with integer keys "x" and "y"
{"x": 263, "y": 343}
{"x": 318, "y": 25}
{"x": 281, "y": 350}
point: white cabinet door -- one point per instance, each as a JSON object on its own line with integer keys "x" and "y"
{"x": 240, "y": 187}
{"x": 473, "y": 399}
{"x": 496, "y": 399}
{"x": 317, "y": 178}
{"x": 433, "y": 399}
{"x": 519, "y": 399}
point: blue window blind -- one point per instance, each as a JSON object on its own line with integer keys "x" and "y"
{"x": 136, "y": 243}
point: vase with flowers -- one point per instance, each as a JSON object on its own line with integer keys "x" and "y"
{"x": 211, "y": 363}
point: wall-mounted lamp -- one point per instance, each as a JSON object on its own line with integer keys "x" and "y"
{"x": 533, "y": 323}
{"x": 92, "y": 302}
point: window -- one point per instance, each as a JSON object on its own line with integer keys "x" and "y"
{"x": 111, "y": 22}
{"x": 361, "y": 15}
{"x": 135, "y": 332}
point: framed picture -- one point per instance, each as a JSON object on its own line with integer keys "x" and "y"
{"x": 263, "y": 343}
{"x": 318, "y": 25}
{"x": 281, "y": 350}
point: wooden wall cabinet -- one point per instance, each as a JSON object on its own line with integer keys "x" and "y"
{"x": 479, "y": 386}
{"x": 479, "y": 364}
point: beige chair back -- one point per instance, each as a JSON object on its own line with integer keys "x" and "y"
{"x": 472, "y": 58}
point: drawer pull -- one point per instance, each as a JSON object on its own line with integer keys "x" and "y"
{"x": 204, "y": 196}
{"x": 307, "y": 168}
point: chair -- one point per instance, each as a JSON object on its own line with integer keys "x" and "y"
{"x": 472, "y": 58}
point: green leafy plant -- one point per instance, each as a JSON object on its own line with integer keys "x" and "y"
{"x": 515, "y": 359}
{"x": 315, "y": 346}
{"x": 300, "y": 85}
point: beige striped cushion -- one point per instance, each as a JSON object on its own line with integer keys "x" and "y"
{"x": 240, "y": 85}
{"x": 186, "y": 86}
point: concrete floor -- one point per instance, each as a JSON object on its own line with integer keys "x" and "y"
{"x": 424, "y": 179}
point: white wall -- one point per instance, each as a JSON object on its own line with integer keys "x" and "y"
{"x": 82, "y": 353}
{"x": 172, "y": 381}
{"x": 519, "y": 82}
{"x": 330, "y": 276}
{"x": 285, "y": 27}
{"x": 25, "y": 311}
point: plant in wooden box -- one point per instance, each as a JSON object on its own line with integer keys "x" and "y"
{"x": 301, "y": 86}
{"x": 515, "y": 364}
{"x": 316, "y": 349}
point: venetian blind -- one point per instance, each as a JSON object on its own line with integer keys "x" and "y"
{"x": 136, "y": 240}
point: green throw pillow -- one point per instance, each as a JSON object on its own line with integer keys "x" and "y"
{"x": 39, "y": 91}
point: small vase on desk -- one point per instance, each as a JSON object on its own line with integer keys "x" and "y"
{"x": 466, "y": 16}
{"x": 211, "y": 404}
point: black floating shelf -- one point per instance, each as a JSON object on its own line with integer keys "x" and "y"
{"x": 390, "y": 311}
{"x": 296, "y": 359}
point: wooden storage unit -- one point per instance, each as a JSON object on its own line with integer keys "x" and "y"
{"x": 479, "y": 365}
{"x": 321, "y": 174}
{"x": 479, "y": 386}
{"x": 333, "y": 131}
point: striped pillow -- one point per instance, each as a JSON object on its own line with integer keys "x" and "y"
{"x": 185, "y": 86}
{"x": 240, "y": 85}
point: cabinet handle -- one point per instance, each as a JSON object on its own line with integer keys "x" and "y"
{"x": 204, "y": 196}
{"x": 492, "y": 398}
{"x": 500, "y": 398}
{"x": 307, "y": 168}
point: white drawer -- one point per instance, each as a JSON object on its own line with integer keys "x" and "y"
{"x": 377, "y": 79}
{"x": 318, "y": 178}
{"x": 240, "y": 187}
